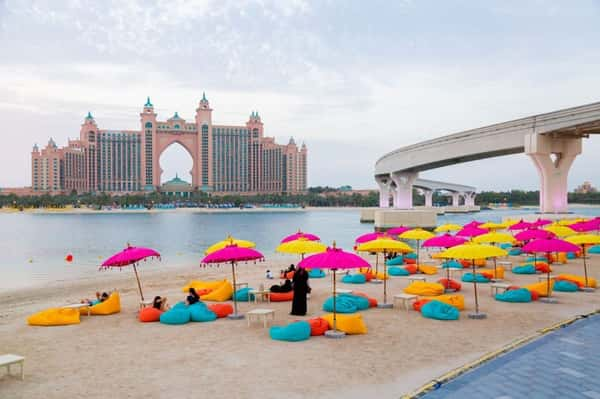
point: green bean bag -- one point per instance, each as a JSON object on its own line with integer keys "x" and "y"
{"x": 397, "y": 261}
{"x": 316, "y": 273}
{"x": 571, "y": 255}
{"x": 565, "y": 286}
{"x": 515, "y": 252}
{"x": 397, "y": 271}
{"x": 452, "y": 264}
{"x": 361, "y": 302}
{"x": 342, "y": 305}
{"x": 241, "y": 295}
{"x": 354, "y": 279}
{"x": 200, "y": 312}
{"x": 439, "y": 311}
{"x": 480, "y": 278}
{"x": 411, "y": 255}
{"x": 178, "y": 314}
{"x": 525, "y": 269}
{"x": 594, "y": 250}
{"x": 293, "y": 332}
{"x": 520, "y": 295}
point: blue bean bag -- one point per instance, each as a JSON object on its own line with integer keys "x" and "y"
{"x": 411, "y": 255}
{"x": 515, "y": 252}
{"x": 316, "y": 273}
{"x": 178, "y": 314}
{"x": 571, "y": 255}
{"x": 439, "y": 311}
{"x": 565, "y": 286}
{"x": 480, "y": 278}
{"x": 520, "y": 295}
{"x": 397, "y": 271}
{"x": 361, "y": 302}
{"x": 397, "y": 261}
{"x": 342, "y": 305}
{"x": 537, "y": 259}
{"x": 241, "y": 295}
{"x": 594, "y": 250}
{"x": 200, "y": 312}
{"x": 293, "y": 332}
{"x": 354, "y": 279}
{"x": 525, "y": 269}
{"x": 506, "y": 245}
{"x": 452, "y": 264}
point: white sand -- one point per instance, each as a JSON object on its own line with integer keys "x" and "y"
{"x": 118, "y": 357}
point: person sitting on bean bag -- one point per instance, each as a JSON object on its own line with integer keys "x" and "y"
{"x": 99, "y": 299}
{"x": 290, "y": 269}
{"x": 160, "y": 303}
{"x": 193, "y": 297}
{"x": 285, "y": 287}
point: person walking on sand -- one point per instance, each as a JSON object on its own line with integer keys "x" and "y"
{"x": 301, "y": 289}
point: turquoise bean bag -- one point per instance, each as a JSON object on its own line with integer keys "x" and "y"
{"x": 571, "y": 255}
{"x": 411, "y": 255}
{"x": 452, "y": 264}
{"x": 354, "y": 279}
{"x": 178, "y": 314}
{"x": 480, "y": 278}
{"x": 397, "y": 261}
{"x": 200, "y": 312}
{"x": 537, "y": 259}
{"x": 397, "y": 271}
{"x": 515, "y": 252}
{"x": 241, "y": 295}
{"x": 316, "y": 273}
{"x": 293, "y": 332}
{"x": 439, "y": 311}
{"x": 361, "y": 302}
{"x": 565, "y": 286}
{"x": 506, "y": 245}
{"x": 342, "y": 305}
{"x": 525, "y": 269}
{"x": 594, "y": 250}
{"x": 520, "y": 295}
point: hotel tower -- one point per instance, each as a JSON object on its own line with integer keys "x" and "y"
{"x": 226, "y": 159}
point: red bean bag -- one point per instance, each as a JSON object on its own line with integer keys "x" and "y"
{"x": 542, "y": 267}
{"x": 372, "y": 301}
{"x": 221, "y": 309}
{"x": 281, "y": 296}
{"x": 368, "y": 275}
{"x": 149, "y": 314}
{"x": 534, "y": 295}
{"x": 488, "y": 275}
{"x": 410, "y": 261}
{"x": 417, "y": 305}
{"x": 412, "y": 269}
{"x": 452, "y": 284}
{"x": 551, "y": 258}
{"x": 318, "y": 326}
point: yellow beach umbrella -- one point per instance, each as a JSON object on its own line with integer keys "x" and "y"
{"x": 418, "y": 235}
{"x": 301, "y": 246}
{"x": 229, "y": 241}
{"x": 568, "y": 222}
{"x": 444, "y": 228}
{"x": 384, "y": 245}
{"x": 474, "y": 252}
{"x": 494, "y": 238}
{"x": 560, "y": 231}
{"x": 493, "y": 226}
{"x": 583, "y": 240}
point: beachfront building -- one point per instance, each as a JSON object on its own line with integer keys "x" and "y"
{"x": 226, "y": 158}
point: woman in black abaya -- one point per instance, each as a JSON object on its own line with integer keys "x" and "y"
{"x": 301, "y": 289}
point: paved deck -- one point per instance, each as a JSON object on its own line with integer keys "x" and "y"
{"x": 562, "y": 364}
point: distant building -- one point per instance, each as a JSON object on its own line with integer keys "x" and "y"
{"x": 585, "y": 188}
{"x": 227, "y": 159}
{"x": 177, "y": 188}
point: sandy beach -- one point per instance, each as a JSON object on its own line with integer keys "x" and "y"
{"x": 117, "y": 356}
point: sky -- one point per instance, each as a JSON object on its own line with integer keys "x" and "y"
{"x": 351, "y": 79}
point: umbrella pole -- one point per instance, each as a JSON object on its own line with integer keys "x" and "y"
{"x": 495, "y": 272}
{"x": 418, "y": 256}
{"x": 548, "y": 276}
{"x": 377, "y": 263}
{"x": 234, "y": 296}
{"x": 475, "y": 287}
{"x": 140, "y": 285}
{"x": 384, "y": 280}
{"x": 584, "y": 265}
{"x": 334, "y": 310}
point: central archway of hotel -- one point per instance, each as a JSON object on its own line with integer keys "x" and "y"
{"x": 176, "y": 167}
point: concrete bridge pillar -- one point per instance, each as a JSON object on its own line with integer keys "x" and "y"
{"x": 403, "y": 191}
{"x": 469, "y": 198}
{"x": 553, "y": 157}
{"x": 428, "y": 198}
{"x": 455, "y": 199}
{"x": 384, "y": 191}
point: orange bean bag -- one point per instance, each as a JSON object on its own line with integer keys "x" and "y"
{"x": 281, "y": 296}
{"x": 452, "y": 284}
{"x": 487, "y": 274}
{"x": 417, "y": 305}
{"x": 543, "y": 267}
{"x": 318, "y": 326}
{"x": 412, "y": 269}
{"x": 150, "y": 314}
{"x": 410, "y": 261}
{"x": 289, "y": 275}
{"x": 541, "y": 288}
{"x": 465, "y": 263}
{"x": 221, "y": 309}
{"x": 372, "y": 301}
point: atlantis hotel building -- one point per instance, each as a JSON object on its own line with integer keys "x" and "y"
{"x": 226, "y": 159}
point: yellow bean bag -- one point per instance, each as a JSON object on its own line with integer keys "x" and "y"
{"x": 221, "y": 293}
{"x": 579, "y": 280}
{"x": 348, "y": 323}
{"x": 381, "y": 276}
{"x": 480, "y": 262}
{"x": 422, "y": 288}
{"x": 499, "y": 272}
{"x": 202, "y": 285}
{"x": 428, "y": 269}
{"x": 456, "y": 300}
{"x": 110, "y": 306}
{"x": 54, "y": 317}
{"x": 541, "y": 288}
{"x": 562, "y": 257}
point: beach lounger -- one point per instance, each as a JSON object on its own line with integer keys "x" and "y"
{"x": 8, "y": 360}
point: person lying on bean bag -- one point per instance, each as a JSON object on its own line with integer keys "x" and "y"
{"x": 285, "y": 287}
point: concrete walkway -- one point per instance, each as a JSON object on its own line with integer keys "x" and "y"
{"x": 562, "y": 364}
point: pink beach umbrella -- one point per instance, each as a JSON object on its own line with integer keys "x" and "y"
{"x": 334, "y": 259}
{"x": 473, "y": 223}
{"x": 520, "y": 225}
{"x": 396, "y": 231}
{"x": 444, "y": 241}
{"x": 533, "y": 234}
{"x": 233, "y": 254}
{"x": 298, "y": 235}
{"x": 541, "y": 222}
{"x": 548, "y": 245}
{"x": 584, "y": 227}
{"x": 369, "y": 237}
{"x": 130, "y": 256}
{"x": 470, "y": 231}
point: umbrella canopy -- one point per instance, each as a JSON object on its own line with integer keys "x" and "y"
{"x": 541, "y": 222}
{"x": 473, "y": 223}
{"x": 550, "y": 245}
{"x": 520, "y": 225}
{"x": 397, "y": 230}
{"x": 494, "y": 238}
{"x": 584, "y": 227}
{"x": 416, "y": 234}
{"x": 227, "y": 242}
{"x": 493, "y": 226}
{"x": 301, "y": 246}
{"x": 369, "y": 237}
{"x": 444, "y": 241}
{"x": 471, "y": 231}
{"x": 560, "y": 231}
{"x": 298, "y": 235}
{"x": 583, "y": 240}
{"x": 568, "y": 222}
{"x": 533, "y": 234}
{"x": 232, "y": 253}
{"x": 130, "y": 256}
{"x": 444, "y": 228}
